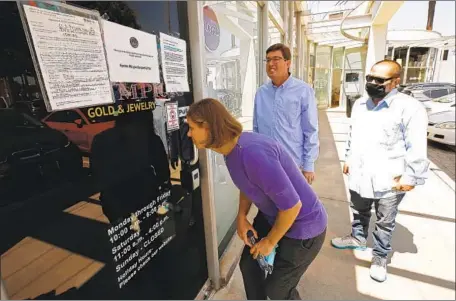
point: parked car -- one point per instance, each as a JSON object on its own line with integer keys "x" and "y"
{"x": 428, "y": 91}
{"x": 33, "y": 157}
{"x": 407, "y": 88}
{"x": 440, "y": 104}
{"x": 77, "y": 127}
{"x": 33, "y": 107}
{"x": 441, "y": 127}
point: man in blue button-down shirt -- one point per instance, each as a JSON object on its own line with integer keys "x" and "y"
{"x": 385, "y": 158}
{"x": 286, "y": 110}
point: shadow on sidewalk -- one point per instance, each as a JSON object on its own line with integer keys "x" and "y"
{"x": 402, "y": 241}
{"x": 337, "y": 274}
{"x": 333, "y": 273}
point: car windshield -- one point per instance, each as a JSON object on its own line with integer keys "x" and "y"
{"x": 445, "y": 99}
{"x": 13, "y": 119}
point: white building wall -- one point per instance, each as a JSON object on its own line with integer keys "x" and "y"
{"x": 446, "y": 72}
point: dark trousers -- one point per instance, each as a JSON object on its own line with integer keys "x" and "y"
{"x": 386, "y": 210}
{"x": 292, "y": 259}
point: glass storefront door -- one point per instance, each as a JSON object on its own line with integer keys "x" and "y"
{"x": 354, "y": 77}
{"x": 230, "y": 36}
{"x": 95, "y": 205}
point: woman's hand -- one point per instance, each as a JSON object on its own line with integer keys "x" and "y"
{"x": 243, "y": 226}
{"x": 263, "y": 247}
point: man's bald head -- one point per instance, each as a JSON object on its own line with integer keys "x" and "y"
{"x": 386, "y": 69}
{"x": 383, "y": 78}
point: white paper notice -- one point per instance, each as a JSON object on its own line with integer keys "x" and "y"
{"x": 174, "y": 63}
{"x": 71, "y": 57}
{"x": 172, "y": 117}
{"x": 132, "y": 54}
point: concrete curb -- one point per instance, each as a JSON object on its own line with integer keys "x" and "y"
{"x": 442, "y": 175}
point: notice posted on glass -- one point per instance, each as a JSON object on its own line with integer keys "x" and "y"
{"x": 172, "y": 117}
{"x": 139, "y": 238}
{"x": 71, "y": 57}
{"x": 174, "y": 63}
{"x": 132, "y": 54}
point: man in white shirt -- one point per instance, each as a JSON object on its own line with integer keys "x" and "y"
{"x": 386, "y": 157}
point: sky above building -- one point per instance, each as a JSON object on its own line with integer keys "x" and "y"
{"x": 411, "y": 15}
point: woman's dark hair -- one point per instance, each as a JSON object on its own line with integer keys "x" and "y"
{"x": 212, "y": 114}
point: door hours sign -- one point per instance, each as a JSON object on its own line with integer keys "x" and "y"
{"x": 172, "y": 116}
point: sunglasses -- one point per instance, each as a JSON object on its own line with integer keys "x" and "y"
{"x": 377, "y": 80}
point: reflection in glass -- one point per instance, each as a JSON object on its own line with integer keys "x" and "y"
{"x": 322, "y": 71}
{"x": 338, "y": 54}
{"x": 389, "y": 54}
{"x": 400, "y": 55}
{"x": 416, "y": 75}
{"x": 231, "y": 38}
{"x": 354, "y": 71}
{"x": 57, "y": 245}
{"x": 418, "y": 57}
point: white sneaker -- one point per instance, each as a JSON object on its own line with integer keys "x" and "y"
{"x": 378, "y": 269}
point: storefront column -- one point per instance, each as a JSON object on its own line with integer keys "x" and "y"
{"x": 407, "y": 59}
{"x": 291, "y": 17}
{"x": 264, "y": 32}
{"x": 436, "y": 75}
{"x": 310, "y": 47}
{"x": 376, "y": 45}
{"x": 298, "y": 71}
{"x": 285, "y": 21}
{"x": 428, "y": 68}
{"x": 313, "y": 64}
{"x": 330, "y": 76}
{"x": 342, "y": 97}
{"x": 304, "y": 53}
{"x": 196, "y": 37}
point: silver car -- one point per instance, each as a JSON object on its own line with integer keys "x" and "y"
{"x": 440, "y": 104}
{"x": 442, "y": 127}
{"x": 428, "y": 91}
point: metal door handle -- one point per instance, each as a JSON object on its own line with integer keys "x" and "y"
{"x": 195, "y": 158}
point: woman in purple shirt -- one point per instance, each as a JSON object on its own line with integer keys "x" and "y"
{"x": 290, "y": 213}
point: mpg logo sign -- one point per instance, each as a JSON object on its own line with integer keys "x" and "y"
{"x": 211, "y": 29}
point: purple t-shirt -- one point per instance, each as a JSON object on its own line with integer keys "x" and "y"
{"x": 264, "y": 171}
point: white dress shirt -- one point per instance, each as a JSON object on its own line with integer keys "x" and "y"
{"x": 386, "y": 141}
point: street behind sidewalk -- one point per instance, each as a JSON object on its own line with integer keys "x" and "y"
{"x": 422, "y": 265}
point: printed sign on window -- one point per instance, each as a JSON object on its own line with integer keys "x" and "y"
{"x": 172, "y": 116}
{"x": 132, "y": 54}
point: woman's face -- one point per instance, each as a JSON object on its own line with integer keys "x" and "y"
{"x": 199, "y": 133}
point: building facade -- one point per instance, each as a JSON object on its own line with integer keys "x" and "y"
{"x": 62, "y": 239}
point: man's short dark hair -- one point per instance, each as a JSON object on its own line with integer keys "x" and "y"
{"x": 284, "y": 49}
{"x": 397, "y": 68}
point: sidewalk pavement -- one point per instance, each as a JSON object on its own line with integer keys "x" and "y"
{"x": 422, "y": 264}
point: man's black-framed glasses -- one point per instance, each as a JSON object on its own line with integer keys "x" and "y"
{"x": 274, "y": 59}
{"x": 378, "y": 80}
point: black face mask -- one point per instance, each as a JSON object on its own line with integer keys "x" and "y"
{"x": 375, "y": 91}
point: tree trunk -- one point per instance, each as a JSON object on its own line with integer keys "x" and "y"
{"x": 430, "y": 19}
